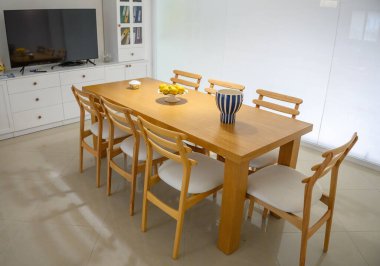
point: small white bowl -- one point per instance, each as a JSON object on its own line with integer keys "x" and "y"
{"x": 134, "y": 84}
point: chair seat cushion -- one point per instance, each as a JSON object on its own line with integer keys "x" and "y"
{"x": 281, "y": 187}
{"x": 191, "y": 144}
{"x": 127, "y": 147}
{"x": 266, "y": 159}
{"x": 118, "y": 133}
{"x": 207, "y": 174}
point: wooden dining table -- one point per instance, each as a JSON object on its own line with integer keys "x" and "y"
{"x": 254, "y": 133}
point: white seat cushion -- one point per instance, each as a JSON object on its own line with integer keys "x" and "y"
{"x": 281, "y": 187}
{"x": 266, "y": 159}
{"x": 206, "y": 175}
{"x": 191, "y": 144}
{"x": 117, "y": 133}
{"x": 127, "y": 147}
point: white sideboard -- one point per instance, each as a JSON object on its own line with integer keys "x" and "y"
{"x": 39, "y": 101}
{"x": 6, "y": 121}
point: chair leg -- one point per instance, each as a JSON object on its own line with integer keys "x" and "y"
{"x": 327, "y": 235}
{"x": 250, "y": 209}
{"x": 98, "y": 163}
{"x": 145, "y": 202}
{"x": 265, "y": 213}
{"x": 214, "y": 196}
{"x": 155, "y": 168}
{"x": 109, "y": 178}
{"x": 132, "y": 197}
{"x": 125, "y": 161}
{"x": 178, "y": 234}
{"x": 80, "y": 157}
{"x": 303, "y": 247}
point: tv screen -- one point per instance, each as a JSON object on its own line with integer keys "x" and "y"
{"x": 50, "y": 35}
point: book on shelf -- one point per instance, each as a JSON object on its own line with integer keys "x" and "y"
{"x": 124, "y": 14}
{"x": 137, "y": 14}
{"x": 125, "y": 36}
{"x": 137, "y": 31}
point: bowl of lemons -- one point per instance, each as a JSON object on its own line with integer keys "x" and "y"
{"x": 172, "y": 91}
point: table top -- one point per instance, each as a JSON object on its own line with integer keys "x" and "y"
{"x": 254, "y": 133}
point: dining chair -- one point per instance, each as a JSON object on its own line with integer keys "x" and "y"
{"x": 133, "y": 146}
{"x": 285, "y": 191}
{"x": 187, "y": 79}
{"x": 90, "y": 103}
{"x": 277, "y": 103}
{"x": 282, "y": 104}
{"x": 194, "y": 175}
{"x": 193, "y": 81}
{"x": 223, "y": 84}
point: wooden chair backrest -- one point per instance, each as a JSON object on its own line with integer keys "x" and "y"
{"x": 166, "y": 142}
{"x": 193, "y": 84}
{"x": 332, "y": 161}
{"x": 260, "y": 102}
{"x": 223, "y": 84}
{"x": 88, "y": 102}
{"x": 120, "y": 117}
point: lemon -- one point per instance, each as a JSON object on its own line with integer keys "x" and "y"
{"x": 181, "y": 90}
{"x": 165, "y": 90}
{"x": 163, "y": 87}
{"x": 173, "y": 90}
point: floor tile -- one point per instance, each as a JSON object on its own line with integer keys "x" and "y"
{"x": 368, "y": 244}
{"x": 54, "y": 215}
{"x": 49, "y": 244}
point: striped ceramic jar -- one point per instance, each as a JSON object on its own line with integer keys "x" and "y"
{"x": 228, "y": 102}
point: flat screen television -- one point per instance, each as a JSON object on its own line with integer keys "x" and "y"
{"x": 44, "y": 36}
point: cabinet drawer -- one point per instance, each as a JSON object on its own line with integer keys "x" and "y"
{"x": 33, "y": 83}
{"x": 71, "y": 110}
{"x": 82, "y": 75}
{"x": 37, "y": 117}
{"x": 67, "y": 94}
{"x": 35, "y": 99}
{"x": 131, "y": 54}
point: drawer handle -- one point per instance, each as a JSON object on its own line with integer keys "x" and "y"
{"x": 37, "y": 99}
{"x": 132, "y": 54}
{"x": 35, "y": 83}
{"x": 83, "y": 76}
{"x": 39, "y": 117}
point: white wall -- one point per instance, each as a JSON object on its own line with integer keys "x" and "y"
{"x": 324, "y": 51}
{"x": 46, "y": 4}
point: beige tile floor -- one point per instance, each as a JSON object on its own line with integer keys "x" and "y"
{"x": 52, "y": 215}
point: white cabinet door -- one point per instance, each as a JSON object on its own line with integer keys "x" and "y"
{"x": 6, "y": 125}
{"x": 136, "y": 71}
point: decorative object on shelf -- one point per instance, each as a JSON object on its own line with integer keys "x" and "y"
{"x": 2, "y": 66}
{"x": 134, "y": 84}
{"x": 107, "y": 57}
{"x": 228, "y": 102}
{"x": 172, "y": 91}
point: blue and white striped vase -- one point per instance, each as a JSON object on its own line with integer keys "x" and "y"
{"x": 228, "y": 102}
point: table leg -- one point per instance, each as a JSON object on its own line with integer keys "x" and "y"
{"x": 231, "y": 217}
{"x": 289, "y": 153}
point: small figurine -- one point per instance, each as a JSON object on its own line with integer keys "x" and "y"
{"x": 2, "y": 66}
